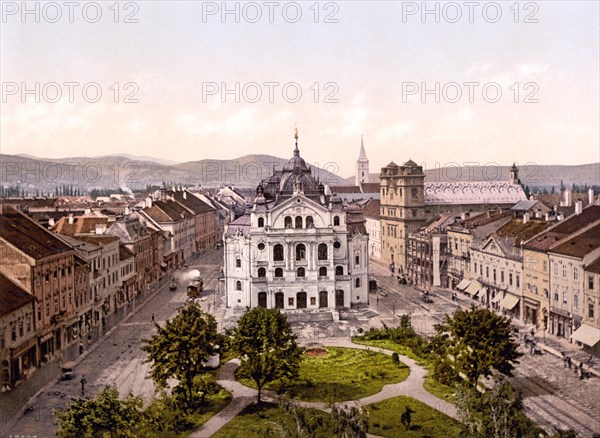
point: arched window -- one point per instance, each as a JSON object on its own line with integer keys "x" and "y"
{"x": 288, "y": 222}
{"x": 310, "y": 223}
{"x": 278, "y": 253}
{"x": 357, "y": 282}
{"x": 300, "y": 272}
{"x": 238, "y": 285}
{"x": 262, "y": 272}
{"x": 339, "y": 270}
{"x": 357, "y": 260}
{"x": 300, "y": 252}
{"x": 322, "y": 271}
{"x": 298, "y": 221}
{"x": 336, "y": 221}
{"x": 278, "y": 272}
{"x": 238, "y": 262}
{"x": 261, "y": 222}
{"x": 322, "y": 250}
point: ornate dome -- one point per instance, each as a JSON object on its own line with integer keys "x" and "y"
{"x": 296, "y": 163}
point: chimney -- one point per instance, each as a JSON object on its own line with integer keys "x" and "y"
{"x": 126, "y": 210}
{"x": 578, "y": 207}
{"x": 463, "y": 216}
{"x": 547, "y": 217}
{"x": 100, "y": 228}
{"x": 560, "y": 216}
{"x": 590, "y": 196}
{"x": 526, "y": 217}
{"x": 568, "y": 198}
{"x": 87, "y": 211}
{"x": 148, "y": 202}
{"x": 538, "y": 214}
{"x": 555, "y": 208}
{"x": 70, "y": 218}
{"x": 51, "y": 223}
{"x": 184, "y": 194}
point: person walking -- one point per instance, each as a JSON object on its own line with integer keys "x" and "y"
{"x": 153, "y": 318}
{"x": 83, "y": 382}
{"x": 569, "y": 362}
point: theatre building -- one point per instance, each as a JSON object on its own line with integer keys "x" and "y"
{"x": 297, "y": 247}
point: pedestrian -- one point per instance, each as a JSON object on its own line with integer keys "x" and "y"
{"x": 80, "y": 348}
{"x": 580, "y": 370}
{"x": 153, "y": 318}
{"x": 83, "y": 382}
{"x": 569, "y": 362}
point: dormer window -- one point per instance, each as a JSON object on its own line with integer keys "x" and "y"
{"x": 261, "y": 222}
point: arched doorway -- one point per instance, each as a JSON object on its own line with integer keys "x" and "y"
{"x": 262, "y": 299}
{"x": 301, "y": 300}
{"x": 323, "y": 299}
{"x": 339, "y": 298}
{"x": 279, "y": 300}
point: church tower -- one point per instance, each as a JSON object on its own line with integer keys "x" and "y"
{"x": 362, "y": 166}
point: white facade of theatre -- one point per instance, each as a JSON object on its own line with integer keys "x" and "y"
{"x": 297, "y": 251}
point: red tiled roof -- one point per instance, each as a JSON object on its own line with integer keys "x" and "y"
{"x": 522, "y": 231}
{"x": 564, "y": 228}
{"x": 12, "y": 296}
{"x": 370, "y": 187}
{"x": 372, "y": 209}
{"x": 345, "y": 189}
{"x": 124, "y": 253}
{"x": 581, "y": 244}
{"x": 29, "y": 237}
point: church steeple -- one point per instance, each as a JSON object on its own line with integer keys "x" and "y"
{"x": 362, "y": 165}
{"x": 362, "y": 156}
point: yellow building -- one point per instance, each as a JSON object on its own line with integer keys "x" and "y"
{"x": 589, "y": 332}
{"x": 402, "y": 202}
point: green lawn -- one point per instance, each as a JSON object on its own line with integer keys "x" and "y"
{"x": 341, "y": 374}
{"x": 384, "y": 420}
{"x": 259, "y": 421}
{"x": 431, "y": 385}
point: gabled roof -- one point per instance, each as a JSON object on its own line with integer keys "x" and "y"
{"x": 29, "y": 237}
{"x": 85, "y": 224}
{"x": 12, "y": 296}
{"x": 594, "y": 266}
{"x": 370, "y": 187}
{"x": 166, "y": 211}
{"x": 240, "y": 226}
{"x": 124, "y": 253}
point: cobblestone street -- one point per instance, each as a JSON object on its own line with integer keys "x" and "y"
{"x": 118, "y": 359}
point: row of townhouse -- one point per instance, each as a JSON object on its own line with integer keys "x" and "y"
{"x": 61, "y": 286}
{"x": 535, "y": 270}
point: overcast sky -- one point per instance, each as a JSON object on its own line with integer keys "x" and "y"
{"x": 373, "y": 65}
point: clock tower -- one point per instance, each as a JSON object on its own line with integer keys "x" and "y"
{"x": 362, "y": 166}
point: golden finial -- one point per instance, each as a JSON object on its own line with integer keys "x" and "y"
{"x": 295, "y": 132}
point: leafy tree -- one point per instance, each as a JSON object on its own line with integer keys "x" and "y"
{"x": 181, "y": 348}
{"x": 100, "y": 415}
{"x": 498, "y": 413}
{"x": 477, "y": 341}
{"x": 266, "y": 346}
{"x": 349, "y": 423}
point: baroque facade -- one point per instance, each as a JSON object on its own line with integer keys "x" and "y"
{"x": 297, "y": 247}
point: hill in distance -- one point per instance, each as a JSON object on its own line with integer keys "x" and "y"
{"x": 118, "y": 171}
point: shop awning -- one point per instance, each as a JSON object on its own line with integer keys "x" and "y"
{"x": 473, "y": 288}
{"x": 463, "y": 284}
{"x": 509, "y": 302}
{"x": 497, "y": 298}
{"x": 586, "y": 334}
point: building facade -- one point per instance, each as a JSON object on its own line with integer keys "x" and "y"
{"x": 297, "y": 248}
